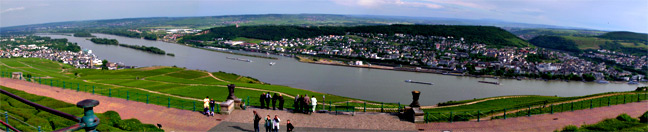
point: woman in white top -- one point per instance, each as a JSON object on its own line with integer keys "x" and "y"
{"x": 275, "y": 123}
{"x": 314, "y": 102}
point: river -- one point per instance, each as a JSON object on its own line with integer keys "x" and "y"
{"x": 362, "y": 83}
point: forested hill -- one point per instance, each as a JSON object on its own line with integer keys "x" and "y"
{"x": 492, "y": 36}
{"x": 629, "y": 36}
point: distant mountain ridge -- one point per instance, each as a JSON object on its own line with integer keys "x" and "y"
{"x": 626, "y": 42}
{"x": 205, "y": 22}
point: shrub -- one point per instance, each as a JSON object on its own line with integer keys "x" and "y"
{"x": 570, "y": 128}
{"x": 644, "y": 118}
{"x": 45, "y": 125}
{"x": 626, "y": 117}
{"x": 110, "y": 118}
{"x": 129, "y": 124}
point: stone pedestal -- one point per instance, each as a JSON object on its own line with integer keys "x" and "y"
{"x": 418, "y": 116}
{"x": 237, "y": 103}
{"x": 227, "y": 107}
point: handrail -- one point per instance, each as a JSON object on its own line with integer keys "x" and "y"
{"x": 9, "y": 126}
{"x": 38, "y": 106}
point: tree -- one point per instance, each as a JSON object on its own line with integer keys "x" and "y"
{"x": 104, "y": 65}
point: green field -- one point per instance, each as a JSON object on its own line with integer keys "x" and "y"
{"x": 110, "y": 121}
{"x": 248, "y": 40}
{"x": 182, "y": 86}
{"x": 587, "y": 42}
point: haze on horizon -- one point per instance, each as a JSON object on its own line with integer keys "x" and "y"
{"x": 617, "y": 15}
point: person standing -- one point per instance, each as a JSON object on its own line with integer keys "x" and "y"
{"x": 212, "y": 104}
{"x": 268, "y": 123}
{"x": 275, "y": 123}
{"x": 313, "y": 103}
{"x": 257, "y": 118}
{"x": 296, "y": 104}
{"x": 206, "y": 105}
{"x": 281, "y": 102}
{"x": 306, "y": 104}
{"x": 262, "y": 100}
{"x": 289, "y": 126}
{"x": 267, "y": 99}
{"x": 274, "y": 101}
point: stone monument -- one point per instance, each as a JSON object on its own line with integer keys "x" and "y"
{"x": 415, "y": 114}
{"x": 236, "y": 102}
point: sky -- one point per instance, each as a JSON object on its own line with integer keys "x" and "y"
{"x": 610, "y": 15}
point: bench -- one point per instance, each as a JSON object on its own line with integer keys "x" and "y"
{"x": 345, "y": 109}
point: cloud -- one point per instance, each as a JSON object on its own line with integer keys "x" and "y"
{"x": 382, "y": 3}
{"x": 12, "y": 9}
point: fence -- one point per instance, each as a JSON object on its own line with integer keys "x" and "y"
{"x": 533, "y": 110}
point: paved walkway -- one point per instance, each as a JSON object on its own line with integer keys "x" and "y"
{"x": 240, "y": 120}
{"x": 544, "y": 122}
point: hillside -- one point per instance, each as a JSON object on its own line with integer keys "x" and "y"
{"x": 626, "y": 36}
{"x": 533, "y": 32}
{"x": 629, "y": 43}
{"x": 206, "y": 22}
{"x": 492, "y": 36}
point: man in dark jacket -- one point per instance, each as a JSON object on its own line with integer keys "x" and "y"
{"x": 296, "y": 105}
{"x": 274, "y": 101}
{"x": 257, "y": 118}
{"x": 281, "y": 101}
{"x": 267, "y": 99}
{"x": 305, "y": 103}
{"x": 262, "y": 100}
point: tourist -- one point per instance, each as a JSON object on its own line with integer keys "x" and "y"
{"x": 296, "y": 104}
{"x": 206, "y": 106}
{"x": 262, "y": 100}
{"x": 274, "y": 101}
{"x": 268, "y": 123}
{"x": 281, "y": 102}
{"x": 257, "y": 118}
{"x": 275, "y": 123}
{"x": 212, "y": 104}
{"x": 267, "y": 99}
{"x": 314, "y": 103}
{"x": 289, "y": 126}
{"x": 306, "y": 104}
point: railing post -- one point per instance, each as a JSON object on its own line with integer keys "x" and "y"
{"x": 330, "y": 105}
{"x": 382, "y": 107}
{"x": 347, "y": 106}
{"x": 248, "y": 102}
{"x": 93, "y": 89}
{"x": 529, "y": 111}
{"x": 608, "y": 101}
{"x": 572, "y": 106}
{"x": 637, "y": 97}
{"x": 51, "y": 83}
{"x": 451, "y": 117}
{"x": 78, "y": 87}
{"x": 591, "y": 106}
{"x": 147, "y": 98}
{"x": 63, "y": 84}
{"x": 6, "y": 120}
{"x": 127, "y": 96}
{"x": 39, "y": 129}
{"x": 169, "y": 103}
{"x": 364, "y": 107}
{"x": 217, "y": 108}
{"x": 551, "y": 108}
{"x": 624, "y": 99}
{"x": 504, "y": 113}
{"x": 194, "y": 103}
{"x": 109, "y": 92}
{"x": 478, "y": 115}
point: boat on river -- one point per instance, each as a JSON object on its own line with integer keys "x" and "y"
{"x": 410, "y": 81}
{"x": 272, "y": 63}
{"x": 602, "y": 81}
{"x": 633, "y": 82}
{"x": 489, "y": 82}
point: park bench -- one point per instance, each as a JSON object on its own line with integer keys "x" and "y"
{"x": 345, "y": 109}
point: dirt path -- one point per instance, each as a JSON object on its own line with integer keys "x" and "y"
{"x": 171, "y": 119}
{"x": 543, "y": 122}
{"x": 212, "y": 75}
